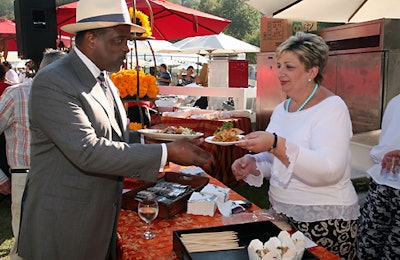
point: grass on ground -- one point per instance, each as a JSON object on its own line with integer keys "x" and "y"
{"x": 257, "y": 195}
{"x": 6, "y": 236}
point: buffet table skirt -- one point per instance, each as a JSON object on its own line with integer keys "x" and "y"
{"x": 131, "y": 246}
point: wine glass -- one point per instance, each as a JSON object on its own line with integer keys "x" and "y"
{"x": 148, "y": 211}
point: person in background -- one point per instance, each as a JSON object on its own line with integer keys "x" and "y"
{"x": 192, "y": 80}
{"x": 11, "y": 74}
{"x": 305, "y": 151}
{"x": 81, "y": 148}
{"x": 3, "y": 80}
{"x": 165, "y": 76}
{"x": 27, "y": 74}
{"x": 202, "y": 102}
{"x": 14, "y": 123}
{"x": 3, "y": 48}
{"x": 188, "y": 78}
{"x": 379, "y": 226}
{"x": 203, "y": 75}
{"x": 5, "y": 184}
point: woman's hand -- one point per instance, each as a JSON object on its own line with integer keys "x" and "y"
{"x": 244, "y": 166}
{"x": 256, "y": 142}
{"x": 391, "y": 160}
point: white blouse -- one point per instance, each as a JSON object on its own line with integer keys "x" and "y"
{"x": 389, "y": 140}
{"x": 316, "y": 185}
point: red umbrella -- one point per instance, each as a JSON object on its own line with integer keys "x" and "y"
{"x": 12, "y": 44}
{"x": 7, "y": 27}
{"x": 65, "y": 15}
{"x": 171, "y": 21}
{"x": 7, "y": 36}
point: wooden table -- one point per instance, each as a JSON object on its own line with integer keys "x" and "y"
{"x": 222, "y": 156}
{"x": 131, "y": 246}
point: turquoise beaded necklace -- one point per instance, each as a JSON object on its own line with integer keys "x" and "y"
{"x": 305, "y": 102}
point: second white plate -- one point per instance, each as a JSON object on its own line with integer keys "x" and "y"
{"x": 209, "y": 140}
{"x": 158, "y": 135}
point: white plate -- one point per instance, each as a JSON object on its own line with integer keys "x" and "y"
{"x": 158, "y": 135}
{"x": 209, "y": 140}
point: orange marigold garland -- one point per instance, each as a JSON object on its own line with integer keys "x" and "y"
{"x": 126, "y": 82}
{"x": 136, "y": 126}
{"x": 152, "y": 89}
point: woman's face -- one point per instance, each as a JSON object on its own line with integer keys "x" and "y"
{"x": 190, "y": 71}
{"x": 292, "y": 73}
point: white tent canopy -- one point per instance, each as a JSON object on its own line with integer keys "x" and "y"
{"x": 214, "y": 44}
{"x": 328, "y": 10}
{"x": 169, "y": 59}
{"x": 155, "y": 45}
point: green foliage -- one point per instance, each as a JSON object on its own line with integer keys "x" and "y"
{"x": 210, "y": 6}
{"x": 7, "y": 9}
{"x": 245, "y": 20}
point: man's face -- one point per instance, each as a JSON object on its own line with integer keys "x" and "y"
{"x": 111, "y": 47}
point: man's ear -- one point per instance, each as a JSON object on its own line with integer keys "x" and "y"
{"x": 91, "y": 39}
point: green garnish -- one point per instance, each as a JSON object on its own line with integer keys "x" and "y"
{"x": 225, "y": 125}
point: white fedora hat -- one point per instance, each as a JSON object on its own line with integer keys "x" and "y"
{"x": 96, "y": 14}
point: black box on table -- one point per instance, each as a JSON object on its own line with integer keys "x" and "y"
{"x": 246, "y": 232}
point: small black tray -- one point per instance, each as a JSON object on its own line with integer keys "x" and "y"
{"x": 167, "y": 209}
{"x": 262, "y": 230}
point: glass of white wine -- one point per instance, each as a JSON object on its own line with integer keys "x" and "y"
{"x": 148, "y": 211}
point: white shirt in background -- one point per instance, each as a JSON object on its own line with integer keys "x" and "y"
{"x": 12, "y": 76}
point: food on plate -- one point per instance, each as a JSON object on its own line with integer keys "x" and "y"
{"x": 227, "y": 133}
{"x": 180, "y": 130}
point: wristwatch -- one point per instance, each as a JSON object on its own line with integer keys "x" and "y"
{"x": 273, "y": 147}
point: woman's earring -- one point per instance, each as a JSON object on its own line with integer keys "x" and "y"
{"x": 309, "y": 80}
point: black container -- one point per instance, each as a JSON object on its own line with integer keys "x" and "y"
{"x": 262, "y": 230}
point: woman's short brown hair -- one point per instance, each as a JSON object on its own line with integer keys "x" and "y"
{"x": 311, "y": 50}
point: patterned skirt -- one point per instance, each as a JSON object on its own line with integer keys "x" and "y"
{"x": 336, "y": 235}
{"x": 379, "y": 229}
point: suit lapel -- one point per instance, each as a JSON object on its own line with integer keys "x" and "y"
{"x": 97, "y": 92}
{"x": 120, "y": 106}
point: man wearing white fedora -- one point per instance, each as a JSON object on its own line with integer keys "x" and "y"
{"x": 80, "y": 149}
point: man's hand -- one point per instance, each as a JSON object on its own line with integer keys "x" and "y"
{"x": 187, "y": 152}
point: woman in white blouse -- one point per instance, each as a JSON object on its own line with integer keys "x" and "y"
{"x": 305, "y": 151}
{"x": 379, "y": 232}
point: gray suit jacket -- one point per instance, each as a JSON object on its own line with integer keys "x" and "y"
{"x": 73, "y": 191}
